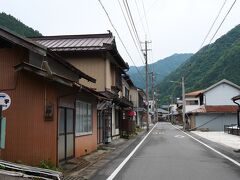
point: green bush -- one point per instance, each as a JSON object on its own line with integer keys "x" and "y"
{"x": 47, "y": 164}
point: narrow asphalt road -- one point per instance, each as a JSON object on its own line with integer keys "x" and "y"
{"x": 168, "y": 154}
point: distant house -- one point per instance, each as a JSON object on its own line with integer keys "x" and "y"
{"x": 127, "y": 123}
{"x": 96, "y": 55}
{"x": 193, "y": 100}
{"x": 152, "y": 109}
{"x": 216, "y": 108}
{"x": 52, "y": 116}
{"x": 138, "y": 97}
{"x": 173, "y": 113}
{"x": 162, "y": 113}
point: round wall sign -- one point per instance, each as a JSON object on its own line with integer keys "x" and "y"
{"x": 5, "y": 101}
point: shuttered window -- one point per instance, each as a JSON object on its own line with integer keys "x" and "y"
{"x": 83, "y": 123}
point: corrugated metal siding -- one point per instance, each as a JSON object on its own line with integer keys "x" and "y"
{"x": 29, "y": 138}
{"x": 8, "y": 59}
{"x": 69, "y": 44}
{"x": 216, "y": 121}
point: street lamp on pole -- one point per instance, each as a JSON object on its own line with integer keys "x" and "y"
{"x": 183, "y": 102}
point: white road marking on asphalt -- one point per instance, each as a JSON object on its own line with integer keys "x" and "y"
{"x": 209, "y": 147}
{"x": 156, "y": 133}
{"x": 116, "y": 171}
{"x": 179, "y": 136}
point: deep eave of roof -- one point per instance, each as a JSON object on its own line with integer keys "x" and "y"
{"x": 43, "y": 73}
{"x": 128, "y": 79}
{"x": 194, "y": 93}
{"x": 31, "y": 45}
{"x": 216, "y": 109}
{"x": 141, "y": 91}
{"x": 70, "y": 66}
{"x": 124, "y": 102}
{"x": 56, "y": 78}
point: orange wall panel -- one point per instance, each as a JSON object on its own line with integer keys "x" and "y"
{"x": 87, "y": 142}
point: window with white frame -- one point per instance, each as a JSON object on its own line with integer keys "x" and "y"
{"x": 83, "y": 123}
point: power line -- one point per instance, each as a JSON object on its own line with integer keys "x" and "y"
{"x": 145, "y": 15}
{"x": 132, "y": 22}
{"x": 128, "y": 10}
{"x": 213, "y": 23}
{"x": 140, "y": 17}
{"x": 119, "y": 37}
{"x": 140, "y": 54}
{"x": 223, "y": 20}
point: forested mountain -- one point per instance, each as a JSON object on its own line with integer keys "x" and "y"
{"x": 17, "y": 26}
{"x": 162, "y": 68}
{"x": 209, "y": 65}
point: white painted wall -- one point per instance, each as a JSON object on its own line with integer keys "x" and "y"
{"x": 192, "y": 107}
{"x": 221, "y": 95}
{"x": 173, "y": 108}
{"x": 151, "y": 103}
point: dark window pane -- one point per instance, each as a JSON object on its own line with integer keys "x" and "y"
{"x": 61, "y": 122}
{"x": 69, "y": 120}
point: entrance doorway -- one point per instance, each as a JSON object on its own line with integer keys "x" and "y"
{"x": 104, "y": 126}
{"x": 66, "y": 134}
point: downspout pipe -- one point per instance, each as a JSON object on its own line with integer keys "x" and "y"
{"x": 238, "y": 118}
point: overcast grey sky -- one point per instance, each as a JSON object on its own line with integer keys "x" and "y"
{"x": 174, "y": 26}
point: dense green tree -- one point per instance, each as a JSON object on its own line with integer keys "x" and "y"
{"x": 212, "y": 63}
{"x": 17, "y": 26}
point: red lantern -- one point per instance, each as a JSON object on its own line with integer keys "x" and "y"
{"x": 132, "y": 113}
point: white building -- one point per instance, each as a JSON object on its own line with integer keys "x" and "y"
{"x": 213, "y": 108}
{"x": 193, "y": 100}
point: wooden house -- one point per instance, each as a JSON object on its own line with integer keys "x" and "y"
{"x": 96, "y": 55}
{"x": 52, "y": 116}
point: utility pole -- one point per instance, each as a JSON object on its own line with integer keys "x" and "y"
{"x": 146, "y": 62}
{"x": 184, "y": 104}
{"x": 152, "y": 77}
